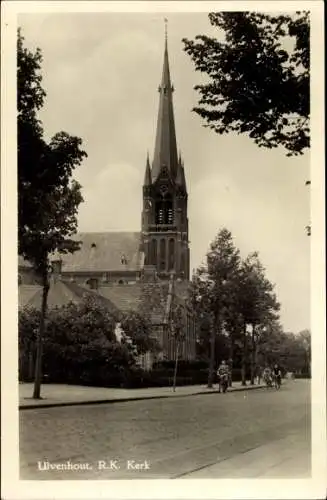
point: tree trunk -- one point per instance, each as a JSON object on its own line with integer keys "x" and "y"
{"x": 244, "y": 356}
{"x": 30, "y": 363}
{"x": 176, "y": 365}
{"x": 39, "y": 340}
{"x": 212, "y": 359}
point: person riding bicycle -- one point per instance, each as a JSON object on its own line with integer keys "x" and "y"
{"x": 267, "y": 375}
{"x": 277, "y": 374}
{"x": 223, "y": 371}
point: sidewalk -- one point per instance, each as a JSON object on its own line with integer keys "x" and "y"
{"x": 68, "y": 395}
{"x": 286, "y": 458}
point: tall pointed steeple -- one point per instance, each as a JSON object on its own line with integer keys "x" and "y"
{"x": 147, "y": 175}
{"x": 165, "y": 153}
{"x": 165, "y": 199}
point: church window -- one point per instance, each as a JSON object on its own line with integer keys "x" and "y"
{"x": 93, "y": 245}
{"x": 123, "y": 259}
{"x": 171, "y": 254}
{"x": 162, "y": 254}
{"x": 153, "y": 253}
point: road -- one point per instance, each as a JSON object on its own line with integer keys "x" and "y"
{"x": 214, "y": 435}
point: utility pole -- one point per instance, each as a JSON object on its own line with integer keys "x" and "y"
{"x": 176, "y": 329}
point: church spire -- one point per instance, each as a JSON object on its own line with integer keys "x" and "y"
{"x": 147, "y": 175}
{"x": 165, "y": 153}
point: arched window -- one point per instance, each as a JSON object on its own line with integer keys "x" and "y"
{"x": 171, "y": 254}
{"x": 162, "y": 254}
{"x": 153, "y": 252}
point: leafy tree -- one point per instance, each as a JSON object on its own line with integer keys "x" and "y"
{"x": 28, "y": 323}
{"x": 79, "y": 344}
{"x": 290, "y": 351}
{"x": 136, "y": 329}
{"x": 257, "y": 304}
{"x": 259, "y": 77}
{"x": 48, "y": 198}
{"x": 214, "y": 287}
{"x": 177, "y": 330}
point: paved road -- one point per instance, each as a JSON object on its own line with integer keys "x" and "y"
{"x": 167, "y": 438}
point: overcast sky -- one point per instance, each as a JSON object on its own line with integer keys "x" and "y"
{"x": 101, "y": 73}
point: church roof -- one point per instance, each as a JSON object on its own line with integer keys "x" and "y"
{"x": 31, "y": 295}
{"x": 111, "y": 251}
{"x": 149, "y": 297}
{"x": 165, "y": 152}
{"x": 60, "y": 294}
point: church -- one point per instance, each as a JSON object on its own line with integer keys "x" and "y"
{"x": 147, "y": 270}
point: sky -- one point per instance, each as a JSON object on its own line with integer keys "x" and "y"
{"x": 101, "y": 73}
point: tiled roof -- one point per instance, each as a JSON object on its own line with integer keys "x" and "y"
{"x": 60, "y": 293}
{"x": 125, "y": 297}
{"x": 26, "y": 294}
{"x": 104, "y": 252}
{"x": 80, "y": 292}
{"x": 149, "y": 297}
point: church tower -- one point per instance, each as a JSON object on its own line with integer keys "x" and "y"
{"x": 164, "y": 215}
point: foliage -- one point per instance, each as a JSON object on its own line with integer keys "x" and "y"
{"x": 213, "y": 294}
{"x": 136, "y": 329}
{"x": 80, "y": 345}
{"x": 48, "y": 197}
{"x": 259, "y": 77}
{"x": 228, "y": 294}
{"x": 289, "y": 350}
{"x": 257, "y": 300}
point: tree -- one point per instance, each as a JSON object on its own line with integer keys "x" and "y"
{"x": 257, "y": 304}
{"x": 259, "y": 77}
{"x": 214, "y": 288}
{"x": 79, "y": 344}
{"x": 178, "y": 334}
{"x": 136, "y": 329}
{"x": 48, "y": 198}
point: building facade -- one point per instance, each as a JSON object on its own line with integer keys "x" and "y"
{"x": 146, "y": 270}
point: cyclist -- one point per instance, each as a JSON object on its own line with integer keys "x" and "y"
{"x": 277, "y": 374}
{"x": 222, "y": 374}
{"x": 267, "y": 376}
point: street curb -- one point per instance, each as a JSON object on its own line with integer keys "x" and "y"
{"x": 125, "y": 400}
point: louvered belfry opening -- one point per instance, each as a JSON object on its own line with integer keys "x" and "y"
{"x": 164, "y": 210}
